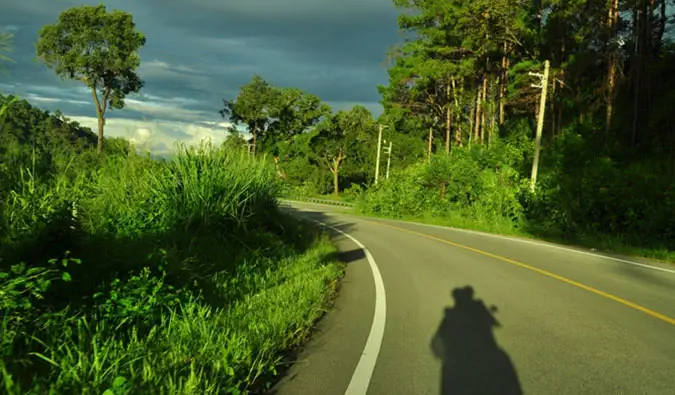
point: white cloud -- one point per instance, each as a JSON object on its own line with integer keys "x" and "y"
{"x": 159, "y": 109}
{"x": 43, "y": 99}
{"x": 156, "y": 136}
{"x": 158, "y": 69}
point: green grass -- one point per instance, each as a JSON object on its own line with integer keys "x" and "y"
{"x": 146, "y": 277}
{"x": 195, "y": 348}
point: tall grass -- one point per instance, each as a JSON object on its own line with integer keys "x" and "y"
{"x": 139, "y": 276}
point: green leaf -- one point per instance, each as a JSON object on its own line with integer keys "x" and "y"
{"x": 65, "y": 276}
{"x": 119, "y": 382}
{"x": 19, "y": 268}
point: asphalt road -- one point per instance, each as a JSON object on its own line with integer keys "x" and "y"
{"x": 443, "y": 311}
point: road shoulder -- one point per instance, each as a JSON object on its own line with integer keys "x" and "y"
{"x": 326, "y": 363}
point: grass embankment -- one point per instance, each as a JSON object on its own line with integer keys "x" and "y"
{"x": 143, "y": 277}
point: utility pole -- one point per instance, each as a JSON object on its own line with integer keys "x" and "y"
{"x": 379, "y": 148}
{"x": 388, "y": 152}
{"x": 543, "y": 85}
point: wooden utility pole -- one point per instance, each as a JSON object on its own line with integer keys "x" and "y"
{"x": 540, "y": 121}
{"x": 379, "y": 148}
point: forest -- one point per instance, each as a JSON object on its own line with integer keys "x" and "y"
{"x": 461, "y": 110}
{"x": 124, "y": 273}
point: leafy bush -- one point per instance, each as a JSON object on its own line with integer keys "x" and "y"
{"x": 479, "y": 184}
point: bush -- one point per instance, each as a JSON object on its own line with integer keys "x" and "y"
{"x": 478, "y": 184}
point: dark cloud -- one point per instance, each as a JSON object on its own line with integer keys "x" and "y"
{"x": 201, "y": 51}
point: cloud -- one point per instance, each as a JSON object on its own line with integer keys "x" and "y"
{"x": 159, "y": 136}
{"x": 202, "y": 51}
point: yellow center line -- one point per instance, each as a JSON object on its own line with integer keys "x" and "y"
{"x": 615, "y": 298}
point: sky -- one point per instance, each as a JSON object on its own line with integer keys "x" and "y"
{"x": 199, "y": 52}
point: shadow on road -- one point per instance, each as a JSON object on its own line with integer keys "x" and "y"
{"x": 318, "y": 216}
{"x": 473, "y": 362}
{"x": 350, "y": 256}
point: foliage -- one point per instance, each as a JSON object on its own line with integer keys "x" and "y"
{"x": 5, "y": 48}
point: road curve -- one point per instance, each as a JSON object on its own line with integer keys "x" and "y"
{"x": 469, "y": 313}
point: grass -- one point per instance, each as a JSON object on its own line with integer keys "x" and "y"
{"x": 136, "y": 276}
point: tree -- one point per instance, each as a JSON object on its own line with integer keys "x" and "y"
{"x": 98, "y": 48}
{"x": 340, "y": 137}
{"x": 253, "y": 108}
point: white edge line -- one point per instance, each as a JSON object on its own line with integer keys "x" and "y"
{"x": 364, "y": 369}
{"x": 526, "y": 241}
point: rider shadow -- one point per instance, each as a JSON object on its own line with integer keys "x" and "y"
{"x": 473, "y": 363}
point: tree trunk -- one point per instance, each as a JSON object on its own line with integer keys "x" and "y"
{"x": 336, "y": 172}
{"x": 559, "y": 115}
{"x": 484, "y": 110}
{"x": 101, "y": 123}
{"x": 336, "y": 181}
{"x": 448, "y": 127}
{"x": 637, "y": 70}
{"x": 476, "y": 125}
{"x": 277, "y": 168}
{"x": 448, "y": 118}
{"x": 493, "y": 110}
{"x": 101, "y": 107}
{"x": 458, "y": 121}
{"x": 503, "y": 85}
{"x": 431, "y": 139}
{"x": 649, "y": 55}
{"x": 611, "y": 72}
{"x": 553, "y": 108}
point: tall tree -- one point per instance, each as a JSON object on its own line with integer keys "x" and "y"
{"x": 98, "y": 48}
